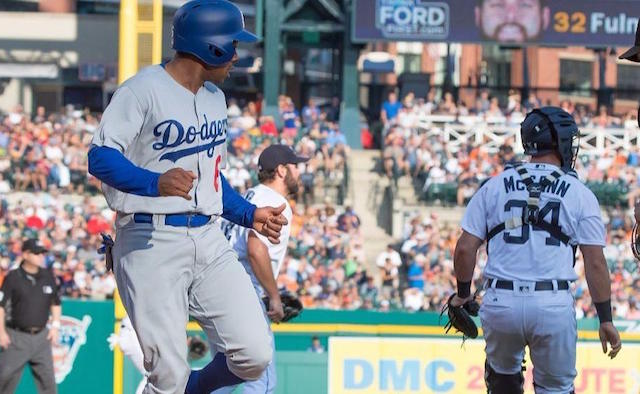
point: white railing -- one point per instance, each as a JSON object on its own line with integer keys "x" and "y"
{"x": 491, "y": 132}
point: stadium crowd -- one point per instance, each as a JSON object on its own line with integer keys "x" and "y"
{"x": 434, "y": 163}
{"x": 46, "y": 154}
{"x": 427, "y": 261}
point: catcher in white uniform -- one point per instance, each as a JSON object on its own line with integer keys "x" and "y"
{"x": 533, "y": 217}
{"x": 279, "y": 178}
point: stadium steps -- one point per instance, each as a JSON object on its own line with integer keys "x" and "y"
{"x": 365, "y": 194}
{"x": 406, "y": 191}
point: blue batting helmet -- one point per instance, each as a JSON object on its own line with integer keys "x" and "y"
{"x": 551, "y": 129}
{"x": 207, "y": 29}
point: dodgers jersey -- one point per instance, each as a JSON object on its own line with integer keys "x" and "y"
{"x": 524, "y": 253}
{"x": 158, "y": 125}
{"x": 261, "y": 196}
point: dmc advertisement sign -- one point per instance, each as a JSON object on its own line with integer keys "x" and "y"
{"x": 378, "y": 365}
{"x": 512, "y": 22}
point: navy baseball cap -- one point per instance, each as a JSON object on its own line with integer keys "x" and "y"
{"x": 278, "y": 154}
{"x": 33, "y": 246}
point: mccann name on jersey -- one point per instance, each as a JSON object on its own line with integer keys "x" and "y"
{"x": 513, "y": 183}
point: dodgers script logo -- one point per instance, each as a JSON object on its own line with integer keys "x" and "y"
{"x": 73, "y": 334}
{"x": 415, "y": 19}
{"x": 173, "y": 134}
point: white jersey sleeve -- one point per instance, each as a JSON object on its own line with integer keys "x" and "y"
{"x": 591, "y": 230}
{"x": 278, "y": 251}
{"x": 121, "y": 121}
{"x": 261, "y": 196}
{"x": 474, "y": 220}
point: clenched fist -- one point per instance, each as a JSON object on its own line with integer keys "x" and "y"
{"x": 268, "y": 221}
{"x": 176, "y": 182}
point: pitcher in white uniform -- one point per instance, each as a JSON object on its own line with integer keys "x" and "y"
{"x": 279, "y": 178}
{"x": 533, "y": 217}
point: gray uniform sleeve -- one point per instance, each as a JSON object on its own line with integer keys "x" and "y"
{"x": 591, "y": 229}
{"x": 121, "y": 121}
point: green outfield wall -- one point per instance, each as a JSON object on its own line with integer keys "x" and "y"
{"x": 85, "y": 364}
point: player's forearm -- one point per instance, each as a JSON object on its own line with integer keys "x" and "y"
{"x": 464, "y": 262}
{"x": 260, "y": 261}
{"x": 2, "y": 327}
{"x": 235, "y": 208}
{"x": 597, "y": 273}
{"x": 56, "y": 312}
{"x": 113, "y": 168}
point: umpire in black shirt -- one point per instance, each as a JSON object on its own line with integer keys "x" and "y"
{"x": 27, "y": 296}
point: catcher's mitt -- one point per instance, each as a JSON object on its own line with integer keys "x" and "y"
{"x": 635, "y": 241}
{"x": 291, "y": 305}
{"x": 460, "y": 319}
{"x": 197, "y": 348}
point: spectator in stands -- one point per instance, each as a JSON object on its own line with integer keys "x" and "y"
{"x": 448, "y": 105}
{"x": 390, "y": 280}
{"x": 369, "y": 293}
{"x": 290, "y": 119}
{"x": 532, "y": 102}
{"x": 391, "y": 254}
{"x": 482, "y": 102}
{"x": 430, "y": 105}
{"x": 310, "y": 113}
{"x": 333, "y": 112}
{"x": 390, "y": 108}
{"x": 415, "y": 273}
{"x": 603, "y": 119}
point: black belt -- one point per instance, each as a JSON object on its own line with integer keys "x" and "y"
{"x": 540, "y": 286}
{"x": 175, "y": 219}
{"x": 28, "y": 330}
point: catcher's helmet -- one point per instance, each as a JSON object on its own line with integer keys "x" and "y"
{"x": 207, "y": 29}
{"x": 550, "y": 129}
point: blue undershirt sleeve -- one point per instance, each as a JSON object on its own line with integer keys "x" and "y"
{"x": 113, "y": 168}
{"x": 234, "y": 207}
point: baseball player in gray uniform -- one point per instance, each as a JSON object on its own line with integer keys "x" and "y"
{"x": 533, "y": 217}
{"x": 158, "y": 151}
{"x": 279, "y": 178}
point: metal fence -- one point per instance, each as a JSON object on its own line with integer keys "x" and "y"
{"x": 493, "y": 132}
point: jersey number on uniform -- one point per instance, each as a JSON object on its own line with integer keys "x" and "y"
{"x": 552, "y": 207}
{"x": 216, "y": 174}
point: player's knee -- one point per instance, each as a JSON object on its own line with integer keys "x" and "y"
{"x": 251, "y": 361}
{"x": 169, "y": 379}
{"x": 498, "y": 383}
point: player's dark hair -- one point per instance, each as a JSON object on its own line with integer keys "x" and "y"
{"x": 266, "y": 175}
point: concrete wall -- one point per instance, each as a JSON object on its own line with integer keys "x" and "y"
{"x": 63, "y": 39}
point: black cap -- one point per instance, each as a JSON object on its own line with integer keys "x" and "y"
{"x": 632, "y": 53}
{"x": 277, "y": 154}
{"x": 33, "y": 246}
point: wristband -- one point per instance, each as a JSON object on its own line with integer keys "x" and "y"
{"x": 55, "y": 324}
{"x": 464, "y": 289}
{"x": 604, "y": 311}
